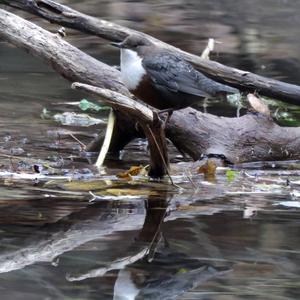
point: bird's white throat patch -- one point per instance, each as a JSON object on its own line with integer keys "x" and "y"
{"x": 132, "y": 70}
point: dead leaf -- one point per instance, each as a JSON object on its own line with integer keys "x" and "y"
{"x": 208, "y": 169}
{"x": 258, "y": 105}
{"x": 125, "y": 176}
{"x": 133, "y": 171}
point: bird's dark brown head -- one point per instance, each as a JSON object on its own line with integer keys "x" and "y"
{"x": 133, "y": 42}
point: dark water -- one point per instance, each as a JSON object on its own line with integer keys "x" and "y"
{"x": 223, "y": 239}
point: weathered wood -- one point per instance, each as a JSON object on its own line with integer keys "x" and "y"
{"x": 119, "y": 102}
{"x": 69, "y": 62}
{"x": 64, "y": 58}
{"x": 66, "y": 16}
{"x": 159, "y": 162}
{"x": 245, "y": 81}
{"x": 252, "y": 137}
{"x": 249, "y": 138}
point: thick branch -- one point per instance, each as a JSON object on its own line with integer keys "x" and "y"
{"x": 118, "y": 102}
{"x": 243, "y": 80}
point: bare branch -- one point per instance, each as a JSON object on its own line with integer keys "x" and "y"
{"x": 250, "y": 82}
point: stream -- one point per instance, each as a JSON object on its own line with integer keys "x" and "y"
{"x": 70, "y": 232}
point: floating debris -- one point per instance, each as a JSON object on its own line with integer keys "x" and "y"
{"x": 74, "y": 119}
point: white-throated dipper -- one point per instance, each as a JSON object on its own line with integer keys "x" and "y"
{"x": 162, "y": 78}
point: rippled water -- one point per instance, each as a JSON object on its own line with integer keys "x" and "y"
{"x": 228, "y": 238}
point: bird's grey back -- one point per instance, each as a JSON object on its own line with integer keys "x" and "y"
{"x": 173, "y": 72}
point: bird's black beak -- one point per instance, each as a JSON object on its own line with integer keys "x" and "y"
{"x": 118, "y": 45}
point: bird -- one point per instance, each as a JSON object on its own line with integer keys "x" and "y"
{"x": 162, "y": 78}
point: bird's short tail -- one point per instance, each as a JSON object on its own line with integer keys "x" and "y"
{"x": 225, "y": 89}
{"x": 216, "y": 89}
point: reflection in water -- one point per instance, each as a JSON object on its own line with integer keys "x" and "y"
{"x": 163, "y": 273}
{"x": 126, "y": 251}
{"x": 149, "y": 268}
{"x": 224, "y": 240}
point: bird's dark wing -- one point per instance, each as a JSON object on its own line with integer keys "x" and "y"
{"x": 172, "y": 72}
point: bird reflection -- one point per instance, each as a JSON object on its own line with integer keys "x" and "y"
{"x": 161, "y": 273}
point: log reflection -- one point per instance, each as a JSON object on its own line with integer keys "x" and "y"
{"x": 145, "y": 268}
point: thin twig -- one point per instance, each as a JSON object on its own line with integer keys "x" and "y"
{"x": 188, "y": 176}
{"x": 11, "y": 156}
{"x": 78, "y": 141}
{"x": 210, "y": 47}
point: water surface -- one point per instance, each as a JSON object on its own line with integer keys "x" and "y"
{"x": 224, "y": 239}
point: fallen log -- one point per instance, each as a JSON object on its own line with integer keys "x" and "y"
{"x": 243, "y": 80}
{"x": 252, "y": 137}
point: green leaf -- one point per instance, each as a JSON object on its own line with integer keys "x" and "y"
{"x": 231, "y": 175}
{"x": 288, "y": 119}
{"x": 87, "y": 105}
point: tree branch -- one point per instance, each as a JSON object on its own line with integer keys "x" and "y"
{"x": 243, "y": 80}
{"x": 251, "y": 137}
